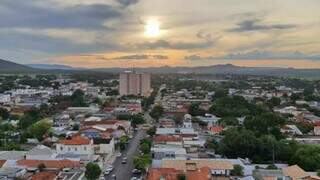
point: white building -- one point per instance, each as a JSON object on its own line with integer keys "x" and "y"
{"x": 5, "y": 98}
{"x": 76, "y": 145}
{"x": 132, "y": 83}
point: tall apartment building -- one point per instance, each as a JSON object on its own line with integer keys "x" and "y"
{"x": 132, "y": 83}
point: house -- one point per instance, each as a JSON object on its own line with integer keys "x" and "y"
{"x": 203, "y": 173}
{"x": 44, "y": 176}
{"x": 167, "y": 151}
{"x": 268, "y": 174}
{"x": 108, "y": 124}
{"x": 166, "y": 123}
{"x": 216, "y": 130}
{"x": 291, "y": 129}
{"x": 217, "y": 167}
{"x": 168, "y": 139}
{"x": 163, "y": 173}
{"x": 316, "y": 130}
{"x": 48, "y": 164}
{"x": 296, "y": 173}
{"x": 76, "y": 145}
{"x": 210, "y": 119}
{"x": 41, "y": 152}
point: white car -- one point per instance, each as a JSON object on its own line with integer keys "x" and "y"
{"x": 119, "y": 155}
{"x": 109, "y": 168}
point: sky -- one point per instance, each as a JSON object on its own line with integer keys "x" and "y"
{"x": 149, "y": 33}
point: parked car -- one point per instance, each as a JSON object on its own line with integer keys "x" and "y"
{"x": 136, "y": 172}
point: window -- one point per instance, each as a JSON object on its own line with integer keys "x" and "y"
{"x": 61, "y": 148}
{"x": 85, "y": 148}
{"x": 76, "y": 149}
{"x": 69, "y": 149}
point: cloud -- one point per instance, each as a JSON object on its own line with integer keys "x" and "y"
{"x": 140, "y": 57}
{"x": 193, "y": 57}
{"x": 258, "y": 55}
{"x": 256, "y": 25}
{"x": 25, "y": 14}
{"x": 127, "y": 3}
{"x": 206, "y": 41}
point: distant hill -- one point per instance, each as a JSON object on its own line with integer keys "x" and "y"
{"x": 50, "y": 66}
{"x": 226, "y": 69}
{"x": 11, "y": 67}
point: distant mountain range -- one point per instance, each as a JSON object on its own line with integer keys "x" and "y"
{"x": 50, "y": 66}
{"x": 10, "y": 67}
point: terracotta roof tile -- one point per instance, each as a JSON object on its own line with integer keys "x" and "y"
{"x": 295, "y": 172}
{"x": 75, "y": 140}
{"x": 57, "y": 164}
{"x": 166, "y": 173}
{"x": 2, "y": 163}
{"x": 44, "y": 176}
{"x": 167, "y": 138}
{"x": 203, "y": 173}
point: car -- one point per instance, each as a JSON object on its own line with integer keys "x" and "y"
{"x": 118, "y": 154}
{"x": 109, "y": 168}
{"x": 107, "y": 172}
{"x": 124, "y": 161}
{"x": 113, "y": 176}
{"x": 136, "y": 171}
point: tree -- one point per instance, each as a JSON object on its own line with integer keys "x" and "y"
{"x": 235, "y": 106}
{"x": 38, "y": 130}
{"x": 4, "y": 113}
{"x": 229, "y": 121}
{"x": 266, "y": 123}
{"x": 274, "y": 101}
{"x": 157, "y": 112}
{"x": 237, "y": 170}
{"x": 181, "y": 176}
{"x": 220, "y": 93}
{"x": 78, "y": 99}
{"x": 145, "y": 145}
{"x": 41, "y": 167}
{"x": 29, "y": 118}
{"x": 194, "y": 110}
{"x": 151, "y": 131}
{"x": 239, "y": 143}
{"x": 123, "y": 142}
{"x": 142, "y": 162}
{"x": 93, "y": 171}
{"x": 307, "y": 157}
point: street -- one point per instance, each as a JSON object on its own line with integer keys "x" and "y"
{"x": 124, "y": 171}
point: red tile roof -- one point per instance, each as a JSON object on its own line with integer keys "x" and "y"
{"x": 2, "y": 163}
{"x": 216, "y": 129}
{"x": 167, "y": 138}
{"x": 44, "y": 176}
{"x": 57, "y": 164}
{"x": 166, "y": 173}
{"x": 76, "y": 140}
{"x": 203, "y": 173}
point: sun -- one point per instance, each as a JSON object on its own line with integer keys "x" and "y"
{"x": 152, "y": 28}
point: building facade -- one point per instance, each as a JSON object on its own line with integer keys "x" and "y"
{"x": 132, "y": 83}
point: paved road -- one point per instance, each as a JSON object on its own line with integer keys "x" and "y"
{"x": 124, "y": 171}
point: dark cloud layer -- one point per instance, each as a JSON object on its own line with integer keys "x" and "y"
{"x": 127, "y": 2}
{"x": 140, "y": 57}
{"x": 256, "y": 25}
{"x": 19, "y": 13}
